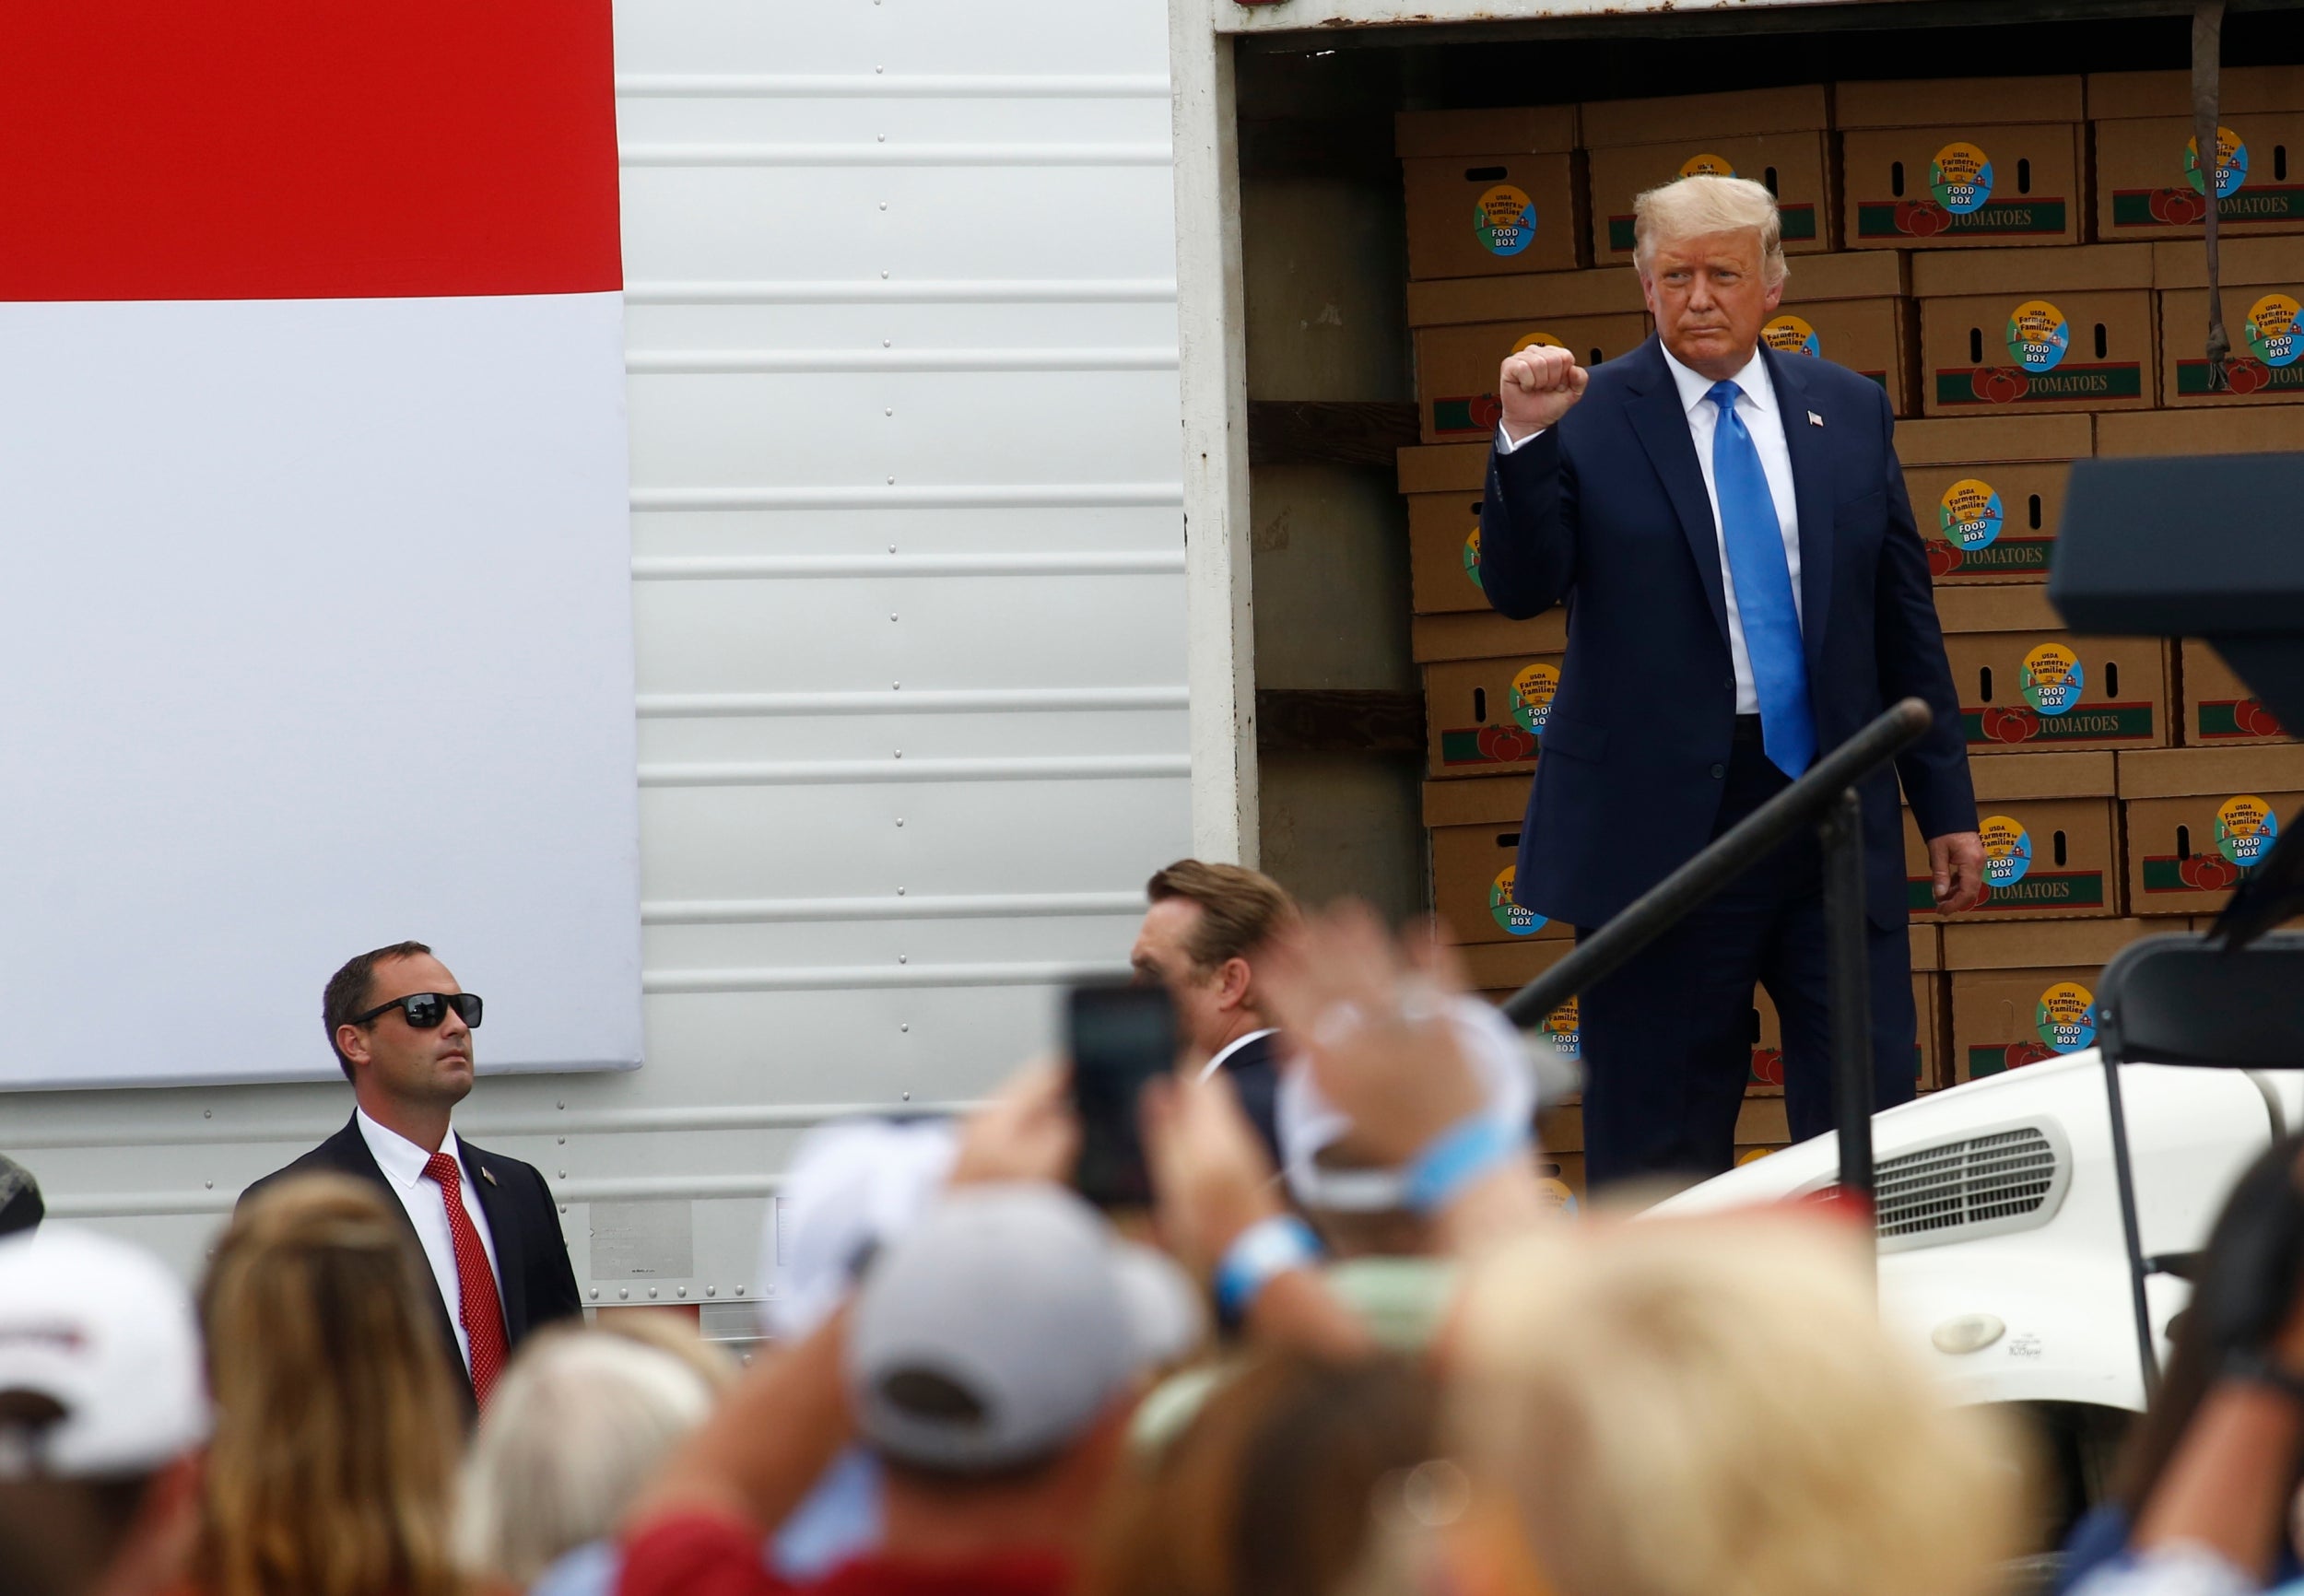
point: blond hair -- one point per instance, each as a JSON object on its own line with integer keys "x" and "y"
{"x": 1711, "y": 1408}
{"x": 337, "y": 1429}
{"x": 582, "y": 1420}
{"x": 1691, "y": 207}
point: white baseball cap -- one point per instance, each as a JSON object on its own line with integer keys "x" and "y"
{"x": 103, "y": 1330}
{"x": 1309, "y": 1124}
{"x": 855, "y": 1186}
{"x": 996, "y": 1332}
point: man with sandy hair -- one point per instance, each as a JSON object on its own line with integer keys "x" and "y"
{"x": 1729, "y": 525}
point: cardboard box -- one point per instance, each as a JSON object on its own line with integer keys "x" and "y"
{"x": 2262, "y": 284}
{"x": 1498, "y": 969}
{"x": 1491, "y": 191}
{"x": 1990, "y": 494}
{"x": 2148, "y": 182}
{"x": 2259, "y": 431}
{"x": 2022, "y": 992}
{"x": 2219, "y": 710}
{"x": 1485, "y": 717}
{"x": 1456, "y": 367}
{"x": 1444, "y": 488}
{"x": 1852, "y": 310}
{"x": 1961, "y": 162}
{"x": 2051, "y": 840}
{"x": 2032, "y": 330}
{"x": 1486, "y": 636}
{"x": 1775, "y": 136}
{"x": 2200, "y": 821}
{"x": 1476, "y": 844}
{"x": 2026, "y": 683}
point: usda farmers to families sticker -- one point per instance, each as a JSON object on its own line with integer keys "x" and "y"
{"x": 2231, "y": 164}
{"x": 1472, "y": 557}
{"x": 2066, "y": 1016}
{"x": 2052, "y": 678}
{"x": 1970, "y": 514}
{"x": 1563, "y": 1027}
{"x": 1504, "y": 220}
{"x": 2038, "y": 335}
{"x": 1960, "y": 178}
{"x": 1791, "y": 336}
{"x": 2273, "y": 335}
{"x": 2007, "y": 851}
{"x": 1509, "y": 915}
{"x": 1532, "y": 696}
{"x": 1707, "y": 165}
{"x": 2246, "y": 829}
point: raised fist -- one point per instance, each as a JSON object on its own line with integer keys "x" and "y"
{"x": 1537, "y": 386}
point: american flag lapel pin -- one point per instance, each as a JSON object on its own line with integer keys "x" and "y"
{"x": 1814, "y": 419}
{"x": 488, "y": 1174}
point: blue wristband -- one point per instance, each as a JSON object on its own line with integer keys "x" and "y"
{"x": 1266, "y": 1249}
{"x": 1460, "y": 1156}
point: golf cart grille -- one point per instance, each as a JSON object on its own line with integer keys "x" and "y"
{"x": 2008, "y": 1181}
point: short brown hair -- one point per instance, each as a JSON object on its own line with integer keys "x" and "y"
{"x": 1240, "y": 907}
{"x": 346, "y": 992}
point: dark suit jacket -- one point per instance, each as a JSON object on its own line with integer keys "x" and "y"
{"x": 535, "y": 1279}
{"x": 1607, "y": 511}
{"x": 1255, "y": 1076}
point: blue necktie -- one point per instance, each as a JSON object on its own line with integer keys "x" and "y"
{"x": 1755, "y": 539}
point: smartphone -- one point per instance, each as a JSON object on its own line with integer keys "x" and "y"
{"x": 1118, "y": 1036}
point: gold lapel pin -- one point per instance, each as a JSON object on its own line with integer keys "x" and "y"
{"x": 488, "y": 1174}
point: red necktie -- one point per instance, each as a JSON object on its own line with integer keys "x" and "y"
{"x": 476, "y": 1304}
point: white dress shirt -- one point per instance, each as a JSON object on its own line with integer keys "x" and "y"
{"x": 403, "y": 1163}
{"x": 1208, "y": 1071}
{"x": 1765, "y": 421}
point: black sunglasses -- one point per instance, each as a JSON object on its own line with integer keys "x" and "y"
{"x": 425, "y": 1010}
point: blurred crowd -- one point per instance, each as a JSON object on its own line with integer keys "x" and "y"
{"x": 1351, "y": 1347}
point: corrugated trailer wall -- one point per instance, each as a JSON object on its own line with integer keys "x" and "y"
{"x": 909, "y": 584}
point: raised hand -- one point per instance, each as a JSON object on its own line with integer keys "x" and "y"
{"x": 1537, "y": 386}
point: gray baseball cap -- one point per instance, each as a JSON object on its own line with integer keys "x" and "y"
{"x": 995, "y": 1331}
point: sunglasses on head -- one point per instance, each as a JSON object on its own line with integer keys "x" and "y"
{"x": 425, "y": 1010}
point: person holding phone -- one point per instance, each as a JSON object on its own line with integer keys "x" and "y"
{"x": 401, "y": 1028}
{"x": 1207, "y": 928}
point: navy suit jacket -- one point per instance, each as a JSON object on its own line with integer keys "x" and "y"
{"x": 535, "y": 1281}
{"x": 1607, "y": 512}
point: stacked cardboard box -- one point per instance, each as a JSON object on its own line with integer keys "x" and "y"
{"x": 1464, "y": 330}
{"x": 1989, "y": 494}
{"x": 2263, "y": 287}
{"x": 1776, "y": 136}
{"x": 1961, "y": 162}
{"x": 2149, "y": 178}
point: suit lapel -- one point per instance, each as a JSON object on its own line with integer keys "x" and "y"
{"x": 353, "y": 1157}
{"x": 1804, "y": 440}
{"x": 1661, "y": 425}
{"x": 504, "y": 1230}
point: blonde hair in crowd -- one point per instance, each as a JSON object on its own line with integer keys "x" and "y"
{"x": 1691, "y": 207}
{"x": 337, "y": 1431}
{"x": 1711, "y": 1408}
{"x": 580, "y": 1421}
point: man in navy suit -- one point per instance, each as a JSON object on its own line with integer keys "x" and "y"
{"x": 1729, "y": 528}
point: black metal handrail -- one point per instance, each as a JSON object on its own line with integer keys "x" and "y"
{"x": 1824, "y": 797}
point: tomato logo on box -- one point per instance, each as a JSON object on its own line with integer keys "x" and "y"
{"x": 1960, "y": 178}
{"x": 2038, "y": 336}
{"x": 1970, "y": 514}
{"x": 2007, "y": 851}
{"x": 2066, "y": 1016}
{"x": 1504, "y": 220}
{"x": 2052, "y": 678}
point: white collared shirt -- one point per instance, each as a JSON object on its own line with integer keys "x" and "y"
{"x": 403, "y": 1163}
{"x": 1208, "y": 1071}
{"x": 1765, "y": 421}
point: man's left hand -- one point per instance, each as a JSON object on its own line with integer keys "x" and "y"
{"x": 1957, "y": 860}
